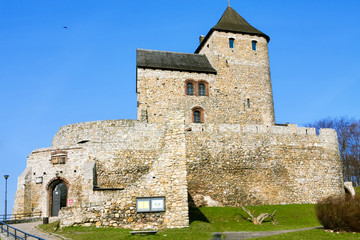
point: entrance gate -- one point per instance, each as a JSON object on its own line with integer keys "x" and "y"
{"x": 59, "y": 197}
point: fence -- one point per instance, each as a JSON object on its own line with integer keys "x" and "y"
{"x": 20, "y": 216}
{"x": 16, "y": 233}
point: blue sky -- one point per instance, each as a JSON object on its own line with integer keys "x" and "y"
{"x": 52, "y": 76}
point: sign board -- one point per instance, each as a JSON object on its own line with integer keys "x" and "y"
{"x": 143, "y": 205}
{"x": 150, "y": 204}
{"x": 157, "y": 204}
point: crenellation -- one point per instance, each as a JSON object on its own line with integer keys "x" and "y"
{"x": 306, "y": 131}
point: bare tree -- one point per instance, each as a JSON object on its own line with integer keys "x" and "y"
{"x": 348, "y": 131}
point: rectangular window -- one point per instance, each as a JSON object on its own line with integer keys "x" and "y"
{"x": 202, "y": 90}
{"x": 190, "y": 89}
{"x": 254, "y": 45}
{"x": 150, "y": 204}
{"x": 231, "y": 42}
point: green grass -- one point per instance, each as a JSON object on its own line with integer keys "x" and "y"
{"x": 317, "y": 234}
{"x": 207, "y": 220}
{"x": 357, "y": 190}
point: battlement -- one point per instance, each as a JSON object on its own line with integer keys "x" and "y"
{"x": 124, "y": 130}
{"x": 290, "y": 129}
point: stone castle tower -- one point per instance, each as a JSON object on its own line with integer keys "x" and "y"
{"x": 205, "y": 135}
{"x": 238, "y": 91}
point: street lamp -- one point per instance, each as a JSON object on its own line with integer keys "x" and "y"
{"x": 6, "y": 177}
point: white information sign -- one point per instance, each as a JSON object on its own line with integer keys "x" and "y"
{"x": 150, "y": 204}
{"x": 157, "y": 204}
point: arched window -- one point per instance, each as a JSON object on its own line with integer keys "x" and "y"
{"x": 189, "y": 89}
{"x": 254, "y": 45}
{"x": 196, "y": 88}
{"x": 231, "y": 42}
{"x": 202, "y": 89}
{"x": 198, "y": 115}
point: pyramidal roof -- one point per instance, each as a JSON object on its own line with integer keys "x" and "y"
{"x": 231, "y": 21}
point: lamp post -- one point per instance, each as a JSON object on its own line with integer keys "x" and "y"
{"x": 6, "y": 177}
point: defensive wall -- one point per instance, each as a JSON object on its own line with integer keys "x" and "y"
{"x": 111, "y": 163}
{"x": 230, "y": 165}
{"x": 105, "y": 174}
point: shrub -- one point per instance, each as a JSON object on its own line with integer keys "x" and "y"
{"x": 339, "y": 214}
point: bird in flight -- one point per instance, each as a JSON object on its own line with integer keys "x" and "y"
{"x": 65, "y": 27}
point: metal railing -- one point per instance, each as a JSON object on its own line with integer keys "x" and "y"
{"x": 17, "y": 233}
{"x": 20, "y": 216}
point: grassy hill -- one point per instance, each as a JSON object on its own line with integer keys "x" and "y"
{"x": 207, "y": 220}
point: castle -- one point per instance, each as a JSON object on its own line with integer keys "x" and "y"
{"x": 205, "y": 135}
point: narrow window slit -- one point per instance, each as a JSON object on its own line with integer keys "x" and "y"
{"x": 231, "y": 42}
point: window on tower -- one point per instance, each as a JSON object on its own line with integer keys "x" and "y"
{"x": 231, "y": 42}
{"x": 202, "y": 89}
{"x": 254, "y": 45}
{"x": 198, "y": 115}
{"x": 189, "y": 89}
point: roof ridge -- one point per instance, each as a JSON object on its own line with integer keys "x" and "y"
{"x": 150, "y": 50}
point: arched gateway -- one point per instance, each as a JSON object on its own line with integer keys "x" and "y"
{"x": 57, "y": 192}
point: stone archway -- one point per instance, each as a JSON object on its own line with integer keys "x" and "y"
{"x": 58, "y": 193}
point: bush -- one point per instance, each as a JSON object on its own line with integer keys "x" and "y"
{"x": 339, "y": 214}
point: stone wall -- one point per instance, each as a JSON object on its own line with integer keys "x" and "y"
{"x": 161, "y": 90}
{"x": 108, "y": 164}
{"x": 126, "y": 133}
{"x": 230, "y": 165}
{"x": 107, "y": 147}
{"x": 166, "y": 176}
{"x": 32, "y": 192}
{"x": 218, "y": 164}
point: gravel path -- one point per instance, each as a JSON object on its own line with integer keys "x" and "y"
{"x": 248, "y": 235}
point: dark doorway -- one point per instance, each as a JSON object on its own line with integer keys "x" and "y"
{"x": 59, "y": 198}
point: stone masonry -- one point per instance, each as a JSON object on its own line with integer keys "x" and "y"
{"x": 205, "y": 135}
